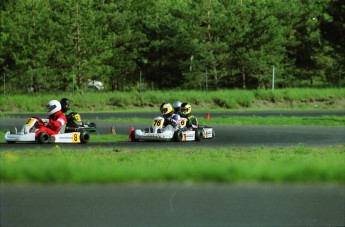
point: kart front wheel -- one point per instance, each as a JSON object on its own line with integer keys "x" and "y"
{"x": 43, "y": 138}
{"x": 84, "y": 137}
{"x": 178, "y": 136}
{"x": 198, "y": 135}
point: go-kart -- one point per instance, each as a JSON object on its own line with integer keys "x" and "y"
{"x": 75, "y": 124}
{"x": 27, "y": 134}
{"x": 178, "y": 133}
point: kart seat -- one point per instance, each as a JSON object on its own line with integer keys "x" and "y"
{"x": 63, "y": 128}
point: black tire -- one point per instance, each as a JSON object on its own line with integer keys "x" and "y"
{"x": 132, "y": 135}
{"x": 11, "y": 142}
{"x": 43, "y": 138}
{"x": 198, "y": 135}
{"x": 178, "y": 136}
{"x": 93, "y": 125}
{"x": 84, "y": 137}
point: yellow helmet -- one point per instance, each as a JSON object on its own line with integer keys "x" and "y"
{"x": 166, "y": 109}
{"x": 186, "y": 108}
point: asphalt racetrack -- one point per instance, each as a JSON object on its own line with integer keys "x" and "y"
{"x": 186, "y": 204}
{"x": 226, "y": 135}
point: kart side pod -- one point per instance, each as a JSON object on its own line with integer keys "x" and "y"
{"x": 74, "y": 137}
{"x": 195, "y": 135}
{"x": 208, "y": 133}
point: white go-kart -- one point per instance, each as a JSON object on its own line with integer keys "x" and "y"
{"x": 178, "y": 133}
{"x": 28, "y": 131}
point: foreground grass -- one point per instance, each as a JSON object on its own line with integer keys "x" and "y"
{"x": 99, "y": 165}
{"x": 150, "y": 100}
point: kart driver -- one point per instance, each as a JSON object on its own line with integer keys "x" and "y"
{"x": 186, "y": 110}
{"x": 170, "y": 118}
{"x": 55, "y": 120}
{"x": 73, "y": 118}
{"x": 177, "y": 107}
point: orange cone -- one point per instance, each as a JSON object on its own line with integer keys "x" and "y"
{"x": 130, "y": 132}
{"x": 208, "y": 116}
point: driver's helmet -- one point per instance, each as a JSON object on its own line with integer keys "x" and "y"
{"x": 166, "y": 109}
{"x": 53, "y": 106}
{"x": 177, "y": 107}
{"x": 186, "y": 109}
{"x": 176, "y": 118}
{"x": 64, "y": 104}
{"x": 161, "y": 106}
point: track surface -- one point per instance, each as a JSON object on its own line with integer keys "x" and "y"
{"x": 226, "y": 135}
{"x": 181, "y": 204}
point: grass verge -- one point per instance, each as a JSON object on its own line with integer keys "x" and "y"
{"x": 291, "y": 98}
{"x": 100, "y": 165}
{"x": 108, "y": 138}
{"x": 255, "y": 120}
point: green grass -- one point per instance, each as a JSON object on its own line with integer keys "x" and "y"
{"x": 255, "y": 120}
{"x": 150, "y": 100}
{"x": 100, "y": 165}
{"x": 108, "y": 137}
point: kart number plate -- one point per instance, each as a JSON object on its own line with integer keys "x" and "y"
{"x": 208, "y": 133}
{"x": 183, "y": 122}
{"x": 29, "y": 122}
{"x": 157, "y": 123}
{"x": 75, "y": 138}
{"x": 77, "y": 117}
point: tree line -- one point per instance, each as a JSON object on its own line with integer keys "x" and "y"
{"x": 58, "y": 45}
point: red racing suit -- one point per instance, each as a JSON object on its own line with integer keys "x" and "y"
{"x": 53, "y": 127}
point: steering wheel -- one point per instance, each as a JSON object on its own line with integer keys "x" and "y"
{"x": 40, "y": 121}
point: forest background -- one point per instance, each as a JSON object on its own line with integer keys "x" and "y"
{"x": 58, "y": 45}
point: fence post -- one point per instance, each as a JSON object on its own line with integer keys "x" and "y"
{"x": 273, "y": 78}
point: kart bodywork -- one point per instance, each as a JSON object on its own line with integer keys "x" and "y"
{"x": 169, "y": 133}
{"x": 89, "y": 127}
{"x": 75, "y": 124}
{"x": 27, "y": 134}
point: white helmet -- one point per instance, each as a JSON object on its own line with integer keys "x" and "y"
{"x": 53, "y": 107}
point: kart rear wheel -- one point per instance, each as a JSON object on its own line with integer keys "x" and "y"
{"x": 84, "y": 137}
{"x": 43, "y": 138}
